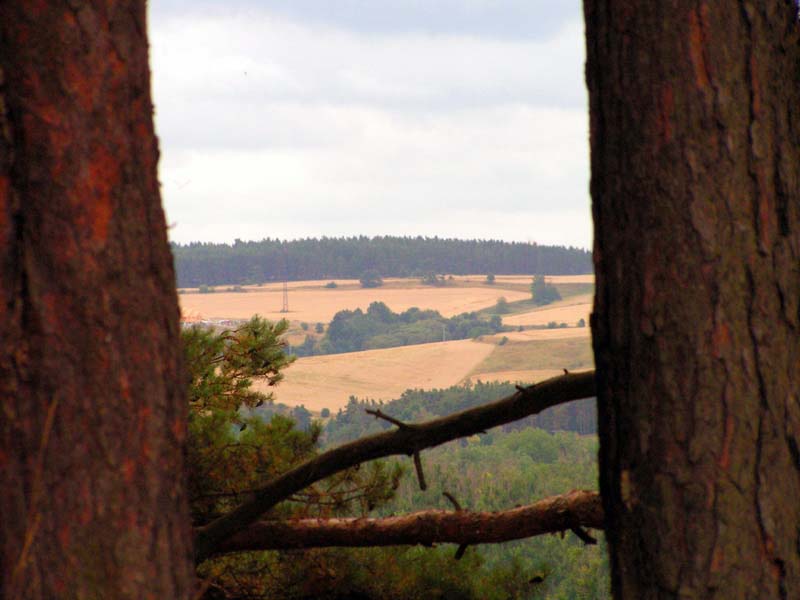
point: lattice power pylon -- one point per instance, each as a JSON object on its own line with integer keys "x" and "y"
{"x": 285, "y": 308}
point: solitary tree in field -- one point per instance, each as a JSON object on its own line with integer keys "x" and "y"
{"x": 502, "y": 305}
{"x": 371, "y": 279}
{"x": 543, "y": 292}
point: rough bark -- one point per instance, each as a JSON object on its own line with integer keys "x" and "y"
{"x": 577, "y": 509}
{"x": 408, "y": 439}
{"x": 93, "y": 503}
{"x": 696, "y": 201}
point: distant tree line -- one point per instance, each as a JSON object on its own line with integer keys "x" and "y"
{"x": 380, "y": 327}
{"x": 200, "y": 263}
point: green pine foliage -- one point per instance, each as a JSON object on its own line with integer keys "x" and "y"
{"x": 221, "y": 365}
{"x": 232, "y": 451}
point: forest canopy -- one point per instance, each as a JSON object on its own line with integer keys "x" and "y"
{"x": 200, "y": 263}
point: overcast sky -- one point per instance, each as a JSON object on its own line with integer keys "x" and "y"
{"x": 295, "y": 118}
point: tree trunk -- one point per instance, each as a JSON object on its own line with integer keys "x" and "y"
{"x": 695, "y": 133}
{"x": 93, "y": 502}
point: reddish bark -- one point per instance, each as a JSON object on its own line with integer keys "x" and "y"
{"x": 576, "y": 509}
{"x": 93, "y": 502}
{"x": 695, "y": 131}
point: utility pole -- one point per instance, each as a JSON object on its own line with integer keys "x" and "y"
{"x": 285, "y": 307}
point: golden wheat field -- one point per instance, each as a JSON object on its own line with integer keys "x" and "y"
{"x": 316, "y": 304}
{"x": 328, "y": 381}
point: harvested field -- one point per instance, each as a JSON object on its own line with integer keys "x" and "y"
{"x": 328, "y": 381}
{"x": 565, "y": 311}
{"x": 538, "y": 355}
{"x": 319, "y": 304}
{"x": 528, "y": 335}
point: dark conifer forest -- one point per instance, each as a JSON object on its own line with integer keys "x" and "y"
{"x": 199, "y": 263}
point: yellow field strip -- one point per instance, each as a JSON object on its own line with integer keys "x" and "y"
{"x": 320, "y": 305}
{"x": 567, "y": 311}
{"x": 328, "y": 381}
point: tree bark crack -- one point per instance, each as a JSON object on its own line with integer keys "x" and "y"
{"x": 763, "y": 409}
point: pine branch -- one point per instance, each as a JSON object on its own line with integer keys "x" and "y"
{"x": 406, "y": 440}
{"x": 575, "y": 510}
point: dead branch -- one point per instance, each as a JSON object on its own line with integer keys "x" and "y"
{"x": 405, "y": 440}
{"x": 575, "y": 510}
{"x": 378, "y": 414}
{"x": 460, "y": 551}
{"x": 453, "y": 500}
{"x": 420, "y": 473}
{"x": 584, "y": 536}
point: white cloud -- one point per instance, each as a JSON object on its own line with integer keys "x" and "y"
{"x": 269, "y": 128}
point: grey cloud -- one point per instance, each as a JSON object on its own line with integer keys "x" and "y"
{"x": 248, "y": 83}
{"x": 520, "y": 19}
{"x": 290, "y": 119}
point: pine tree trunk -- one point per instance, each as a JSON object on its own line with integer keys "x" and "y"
{"x": 93, "y": 502}
{"x": 695, "y": 130}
